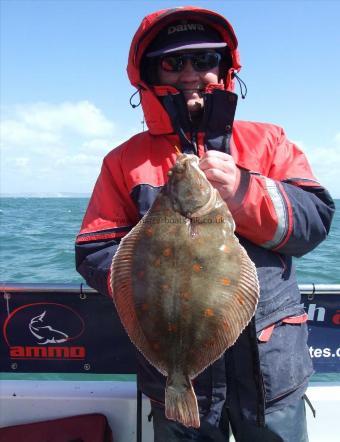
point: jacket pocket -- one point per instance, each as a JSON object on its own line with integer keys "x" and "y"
{"x": 284, "y": 356}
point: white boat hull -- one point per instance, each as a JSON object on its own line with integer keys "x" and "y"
{"x": 32, "y": 401}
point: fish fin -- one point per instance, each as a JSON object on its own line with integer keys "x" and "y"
{"x": 121, "y": 287}
{"x": 248, "y": 289}
{"x": 240, "y": 308}
{"x": 243, "y": 303}
{"x": 180, "y": 401}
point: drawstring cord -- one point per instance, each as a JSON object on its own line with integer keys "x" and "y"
{"x": 306, "y": 398}
{"x": 242, "y": 84}
{"x": 178, "y": 152}
{"x": 140, "y": 99}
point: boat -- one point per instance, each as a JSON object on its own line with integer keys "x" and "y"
{"x": 64, "y": 353}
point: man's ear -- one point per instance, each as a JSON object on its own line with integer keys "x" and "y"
{"x": 149, "y": 70}
{"x": 225, "y": 66}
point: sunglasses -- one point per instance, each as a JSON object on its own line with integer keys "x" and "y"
{"x": 200, "y": 61}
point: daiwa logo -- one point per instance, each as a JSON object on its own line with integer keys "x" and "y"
{"x": 186, "y": 27}
{"x": 34, "y": 331}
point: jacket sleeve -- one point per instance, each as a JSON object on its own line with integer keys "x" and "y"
{"x": 110, "y": 215}
{"x": 286, "y": 210}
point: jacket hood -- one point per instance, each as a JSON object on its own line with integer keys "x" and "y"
{"x": 156, "y": 117}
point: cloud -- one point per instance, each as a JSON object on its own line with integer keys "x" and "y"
{"x": 82, "y": 118}
{"x": 21, "y": 162}
{"x": 59, "y": 144}
{"x": 17, "y": 133}
{"x": 325, "y": 163}
{"x": 80, "y": 159}
{"x": 59, "y": 148}
{"x": 97, "y": 145}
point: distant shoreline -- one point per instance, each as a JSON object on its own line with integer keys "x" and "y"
{"x": 45, "y": 195}
{"x": 57, "y": 195}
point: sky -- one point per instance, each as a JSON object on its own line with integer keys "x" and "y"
{"x": 65, "y": 94}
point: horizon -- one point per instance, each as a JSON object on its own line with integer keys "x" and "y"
{"x": 58, "y": 195}
{"x": 46, "y": 195}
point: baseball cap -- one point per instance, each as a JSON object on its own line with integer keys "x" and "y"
{"x": 184, "y": 34}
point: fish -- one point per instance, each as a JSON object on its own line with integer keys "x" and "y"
{"x": 183, "y": 286}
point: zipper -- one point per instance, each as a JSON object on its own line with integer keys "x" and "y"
{"x": 194, "y": 141}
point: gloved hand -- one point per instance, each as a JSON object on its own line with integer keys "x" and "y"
{"x": 221, "y": 171}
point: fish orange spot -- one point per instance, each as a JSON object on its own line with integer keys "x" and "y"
{"x": 225, "y": 325}
{"x": 145, "y": 307}
{"x": 167, "y": 252}
{"x": 208, "y": 312}
{"x": 185, "y": 295}
{"x": 156, "y": 346}
{"x": 225, "y": 248}
{"x": 225, "y": 281}
{"x": 240, "y": 299}
{"x": 197, "y": 267}
{"x": 165, "y": 287}
{"x": 156, "y": 205}
{"x": 185, "y": 312}
{"x": 149, "y": 231}
{"x": 157, "y": 262}
{"x": 172, "y": 327}
{"x": 209, "y": 343}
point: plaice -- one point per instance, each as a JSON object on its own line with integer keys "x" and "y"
{"x": 183, "y": 286}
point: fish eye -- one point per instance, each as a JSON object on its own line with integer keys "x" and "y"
{"x": 179, "y": 168}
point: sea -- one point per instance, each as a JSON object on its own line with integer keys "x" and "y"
{"x": 37, "y": 243}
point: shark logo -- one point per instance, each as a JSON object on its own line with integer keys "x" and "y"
{"x": 45, "y": 333}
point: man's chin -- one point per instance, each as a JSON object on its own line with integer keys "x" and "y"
{"x": 195, "y": 105}
{"x": 194, "y": 100}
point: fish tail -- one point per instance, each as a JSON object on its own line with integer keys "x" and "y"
{"x": 180, "y": 401}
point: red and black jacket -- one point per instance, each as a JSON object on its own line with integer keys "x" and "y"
{"x": 279, "y": 208}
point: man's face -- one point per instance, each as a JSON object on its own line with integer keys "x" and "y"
{"x": 190, "y": 80}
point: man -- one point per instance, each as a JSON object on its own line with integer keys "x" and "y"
{"x": 183, "y": 62}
